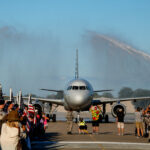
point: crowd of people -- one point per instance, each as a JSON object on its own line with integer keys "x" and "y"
{"x": 19, "y": 126}
{"x": 142, "y": 118}
{"x": 142, "y": 122}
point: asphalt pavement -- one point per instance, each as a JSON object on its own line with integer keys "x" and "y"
{"x": 56, "y": 137}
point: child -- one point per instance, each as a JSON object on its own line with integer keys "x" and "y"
{"x": 82, "y": 126}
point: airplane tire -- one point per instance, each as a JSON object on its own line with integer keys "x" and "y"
{"x": 76, "y": 120}
{"x": 100, "y": 118}
{"x": 48, "y": 117}
{"x": 106, "y": 119}
{"x": 54, "y": 118}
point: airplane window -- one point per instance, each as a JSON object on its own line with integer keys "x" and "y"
{"x": 87, "y": 88}
{"x": 69, "y": 88}
{"x": 75, "y": 87}
{"x": 82, "y": 87}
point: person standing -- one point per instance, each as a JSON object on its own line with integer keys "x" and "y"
{"x": 120, "y": 121}
{"x": 10, "y": 131}
{"x": 95, "y": 111}
{"x": 69, "y": 118}
{"x": 147, "y": 121}
{"x": 2, "y": 113}
{"x": 139, "y": 122}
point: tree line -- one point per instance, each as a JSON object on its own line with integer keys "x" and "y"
{"x": 127, "y": 92}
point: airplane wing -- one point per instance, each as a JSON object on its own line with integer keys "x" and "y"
{"x": 52, "y": 90}
{"x": 102, "y": 91}
{"x": 101, "y": 100}
{"x": 53, "y": 101}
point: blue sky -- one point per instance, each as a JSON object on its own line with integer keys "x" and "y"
{"x": 39, "y": 38}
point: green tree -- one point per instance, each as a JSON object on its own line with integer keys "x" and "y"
{"x": 107, "y": 95}
{"x": 125, "y": 92}
{"x": 141, "y": 93}
{"x": 51, "y": 96}
{"x": 96, "y": 95}
{"x": 59, "y": 95}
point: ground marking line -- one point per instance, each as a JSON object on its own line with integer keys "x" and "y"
{"x": 100, "y": 145}
{"x": 89, "y": 142}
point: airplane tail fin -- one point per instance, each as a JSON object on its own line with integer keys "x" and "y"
{"x": 76, "y": 68}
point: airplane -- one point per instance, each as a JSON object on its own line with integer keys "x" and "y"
{"x": 79, "y": 96}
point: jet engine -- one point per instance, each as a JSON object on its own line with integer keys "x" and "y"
{"x": 115, "y": 108}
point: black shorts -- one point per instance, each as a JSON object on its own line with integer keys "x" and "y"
{"x": 95, "y": 123}
{"x": 83, "y": 127}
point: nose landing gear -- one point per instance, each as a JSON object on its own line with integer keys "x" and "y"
{"x": 78, "y": 117}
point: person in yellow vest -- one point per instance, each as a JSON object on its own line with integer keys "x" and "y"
{"x": 95, "y": 111}
{"x": 82, "y": 126}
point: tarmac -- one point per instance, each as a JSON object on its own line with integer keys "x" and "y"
{"x": 56, "y": 138}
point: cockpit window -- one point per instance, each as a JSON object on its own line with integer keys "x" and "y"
{"x": 87, "y": 88}
{"x": 78, "y": 88}
{"x": 75, "y": 87}
{"x": 82, "y": 87}
{"x": 69, "y": 88}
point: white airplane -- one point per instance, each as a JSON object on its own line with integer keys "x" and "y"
{"x": 79, "y": 96}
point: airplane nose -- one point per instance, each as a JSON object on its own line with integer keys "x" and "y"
{"x": 80, "y": 99}
{"x": 77, "y": 101}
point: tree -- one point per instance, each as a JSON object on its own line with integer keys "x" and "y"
{"x": 51, "y": 96}
{"x": 107, "y": 95}
{"x": 59, "y": 95}
{"x": 141, "y": 93}
{"x": 96, "y": 95}
{"x": 125, "y": 92}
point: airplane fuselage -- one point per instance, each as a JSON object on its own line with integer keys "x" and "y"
{"x": 78, "y": 95}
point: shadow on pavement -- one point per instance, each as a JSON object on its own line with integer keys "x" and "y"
{"x": 48, "y": 141}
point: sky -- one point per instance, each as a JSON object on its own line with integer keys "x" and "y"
{"x": 38, "y": 40}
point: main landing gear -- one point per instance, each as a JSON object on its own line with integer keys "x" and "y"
{"x": 52, "y": 115}
{"x": 104, "y": 116}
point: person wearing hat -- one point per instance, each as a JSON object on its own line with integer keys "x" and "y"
{"x": 8, "y": 106}
{"x": 10, "y": 131}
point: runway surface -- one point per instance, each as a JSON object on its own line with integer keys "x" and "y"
{"x": 56, "y": 138}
